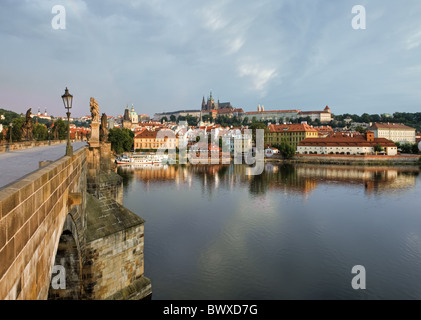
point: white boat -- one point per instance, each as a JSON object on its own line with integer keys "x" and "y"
{"x": 141, "y": 159}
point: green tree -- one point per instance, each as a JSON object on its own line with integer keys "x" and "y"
{"x": 61, "y": 126}
{"x": 16, "y": 131}
{"x": 40, "y": 132}
{"x": 286, "y": 150}
{"x": 173, "y": 118}
{"x": 191, "y": 121}
{"x": 258, "y": 126}
{"x": 9, "y": 116}
{"x": 1, "y": 136}
{"x": 121, "y": 140}
{"x": 360, "y": 129}
{"x": 409, "y": 148}
{"x": 378, "y": 148}
{"x": 164, "y": 119}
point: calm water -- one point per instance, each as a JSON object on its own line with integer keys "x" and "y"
{"x": 294, "y": 232}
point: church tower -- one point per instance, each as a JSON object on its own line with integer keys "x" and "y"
{"x": 211, "y": 103}
{"x": 203, "y": 104}
{"x": 127, "y": 122}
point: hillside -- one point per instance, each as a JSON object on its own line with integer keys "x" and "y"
{"x": 8, "y": 116}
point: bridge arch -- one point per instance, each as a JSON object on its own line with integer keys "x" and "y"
{"x": 68, "y": 256}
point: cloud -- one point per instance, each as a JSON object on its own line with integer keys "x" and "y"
{"x": 164, "y": 55}
{"x": 259, "y": 76}
{"x": 414, "y": 40}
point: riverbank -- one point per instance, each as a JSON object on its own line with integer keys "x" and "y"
{"x": 372, "y": 160}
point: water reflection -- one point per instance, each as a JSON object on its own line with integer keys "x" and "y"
{"x": 215, "y": 233}
{"x": 290, "y": 179}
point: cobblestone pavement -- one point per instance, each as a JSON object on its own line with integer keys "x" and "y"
{"x": 16, "y": 164}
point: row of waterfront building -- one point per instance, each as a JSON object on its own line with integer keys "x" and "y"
{"x": 306, "y": 139}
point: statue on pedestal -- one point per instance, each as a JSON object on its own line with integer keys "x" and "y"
{"x": 28, "y": 126}
{"x": 94, "y": 140}
{"x": 94, "y": 110}
{"x": 55, "y": 131}
{"x": 103, "y": 131}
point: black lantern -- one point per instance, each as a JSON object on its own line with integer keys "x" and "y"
{"x": 67, "y": 99}
{"x": 68, "y": 102}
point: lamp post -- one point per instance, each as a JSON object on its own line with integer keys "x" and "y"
{"x": 10, "y": 133}
{"x": 49, "y": 136}
{"x": 11, "y": 129}
{"x": 68, "y": 101}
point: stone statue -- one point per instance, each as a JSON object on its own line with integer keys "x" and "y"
{"x": 94, "y": 110}
{"x": 28, "y": 126}
{"x": 103, "y": 131}
{"x": 55, "y": 132}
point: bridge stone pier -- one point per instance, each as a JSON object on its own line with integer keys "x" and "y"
{"x": 70, "y": 214}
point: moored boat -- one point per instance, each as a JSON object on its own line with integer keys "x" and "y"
{"x": 141, "y": 159}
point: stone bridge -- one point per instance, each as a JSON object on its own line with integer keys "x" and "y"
{"x": 70, "y": 214}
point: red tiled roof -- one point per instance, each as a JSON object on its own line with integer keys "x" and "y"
{"x": 291, "y": 128}
{"x": 324, "y": 129}
{"x": 146, "y": 134}
{"x": 225, "y": 111}
{"x": 399, "y": 126}
{"x": 313, "y": 112}
{"x": 335, "y": 141}
{"x": 278, "y": 111}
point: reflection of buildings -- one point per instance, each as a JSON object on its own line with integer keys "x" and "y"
{"x": 300, "y": 179}
{"x": 373, "y": 178}
{"x": 151, "y": 173}
{"x": 400, "y": 182}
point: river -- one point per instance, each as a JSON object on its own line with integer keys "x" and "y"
{"x": 293, "y": 232}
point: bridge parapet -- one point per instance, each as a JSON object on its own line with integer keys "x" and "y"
{"x": 33, "y": 212}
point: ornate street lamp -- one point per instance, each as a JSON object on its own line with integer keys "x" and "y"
{"x": 68, "y": 101}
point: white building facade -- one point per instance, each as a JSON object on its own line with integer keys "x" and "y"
{"x": 394, "y": 131}
{"x": 347, "y": 145}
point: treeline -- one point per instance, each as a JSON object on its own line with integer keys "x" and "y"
{"x": 8, "y": 115}
{"x": 40, "y": 132}
{"x": 121, "y": 140}
{"x": 410, "y": 119}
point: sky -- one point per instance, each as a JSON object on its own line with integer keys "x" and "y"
{"x": 162, "y": 55}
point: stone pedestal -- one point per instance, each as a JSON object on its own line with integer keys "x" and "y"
{"x": 94, "y": 140}
{"x": 94, "y": 160}
{"x": 105, "y": 156}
